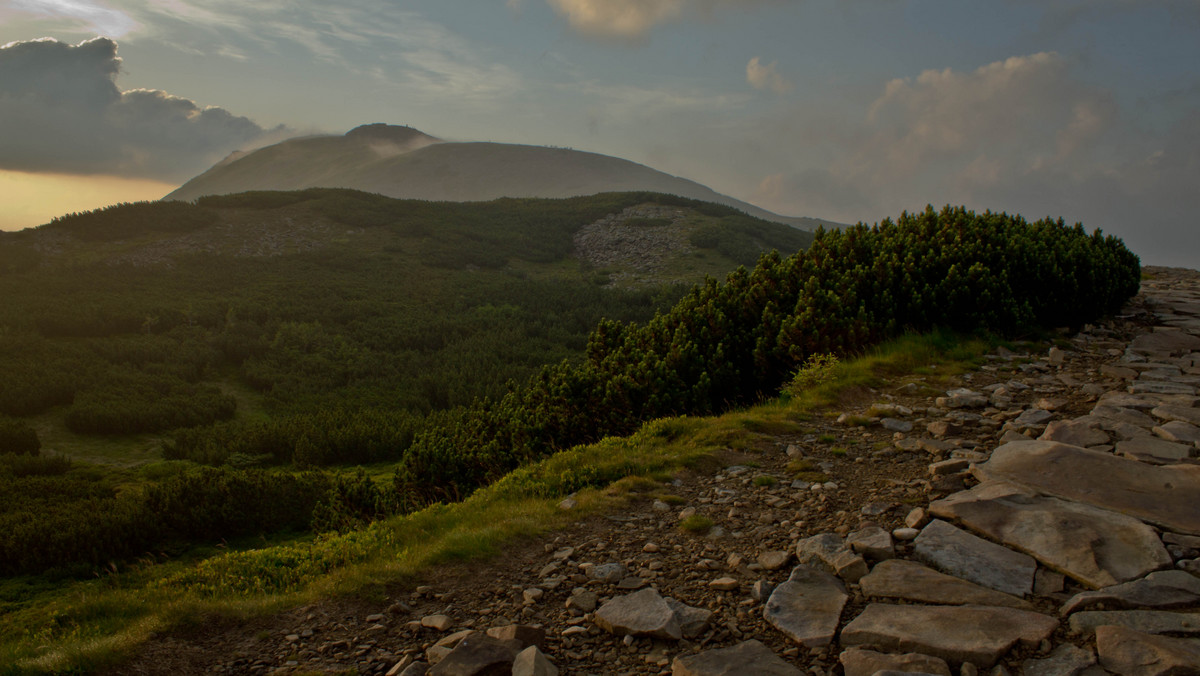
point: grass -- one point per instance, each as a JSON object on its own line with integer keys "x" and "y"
{"x": 696, "y": 524}
{"x": 84, "y": 626}
{"x": 765, "y": 480}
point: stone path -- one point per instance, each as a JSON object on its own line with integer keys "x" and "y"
{"x": 1042, "y": 519}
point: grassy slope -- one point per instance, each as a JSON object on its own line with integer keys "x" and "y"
{"x": 89, "y": 624}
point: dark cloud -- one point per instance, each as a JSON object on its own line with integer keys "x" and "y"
{"x": 61, "y": 111}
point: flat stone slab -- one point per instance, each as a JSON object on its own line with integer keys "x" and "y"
{"x": 643, "y": 613}
{"x": 1159, "y": 387}
{"x": 1118, "y": 414}
{"x": 1180, "y": 431}
{"x": 1133, "y": 653}
{"x": 808, "y": 607}
{"x": 969, "y": 557}
{"x": 1153, "y": 449}
{"x": 1172, "y": 342}
{"x": 980, "y": 635}
{"x": 862, "y": 662}
{"x": 1185, "y": 414}
{"x": 1094, "y": 546}
{"x": 1079, "y": 432}
{"x": 1147, "y": 621}
{"x": 1165, "y": 496}
{"x": 911, "y": 581}
{"x": 748, "y": 657}
{"x": 1164, "y": 589}
{"x": 1065, "y": 660}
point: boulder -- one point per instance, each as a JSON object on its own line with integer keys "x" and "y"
{"x": 1133, "y": 653}
{"x": 963, "y": 555}
{"x": 1065, "y": 660}
{"x": 911, "y": 581}
{"x": 808, "y": 607}
{"x": 643, "y": 613}
{"x": 1164, "y": 589}
{"x": 1080, "y": 432}
{"x": 478, "y": 655}
{"x": 1163, "y": 496}
{"x": 1094, "y": 546}
{"x": 1146, "y": 621}
{"x": 531, "y": 662}
{"x": 980, "y": 635}
{"x": 748, "y": 657}
{"x": 862, "y": 662}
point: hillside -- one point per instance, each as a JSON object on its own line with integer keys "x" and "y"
{"x": 123, "y": 324}
{"x": 404, "y": 163}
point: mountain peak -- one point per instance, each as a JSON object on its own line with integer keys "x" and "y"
{"x": 390, "y": 133}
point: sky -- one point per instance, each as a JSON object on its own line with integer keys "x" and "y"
{"x": 848, "y": 110}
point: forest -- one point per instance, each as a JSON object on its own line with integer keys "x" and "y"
{"x": 263, "y": 345}
{"x": 439, "y": 376}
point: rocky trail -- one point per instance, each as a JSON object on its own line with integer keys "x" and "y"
{"x": 1043, "y": 519}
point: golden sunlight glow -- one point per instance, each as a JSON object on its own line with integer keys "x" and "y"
{"x": 27, "y": 200}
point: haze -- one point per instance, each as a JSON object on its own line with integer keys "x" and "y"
{"x": 849, "y": 110}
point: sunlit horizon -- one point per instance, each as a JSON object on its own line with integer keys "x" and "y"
{"x": 32, "y": 199}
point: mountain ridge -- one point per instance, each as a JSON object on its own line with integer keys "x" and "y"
{"x": 406, "y": 163}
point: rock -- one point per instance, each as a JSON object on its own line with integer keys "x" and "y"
{"x": 829, "y": 551}
{"x": 1157, "y": 387}
{"x": 1133, "y": 653}
{"x": 532, "y": 595}
{"x": 642, "y": 613}
{"x": 478, "y": 655}
{"x": 1081, "y": 432}
{"x": 582, "y": 600}
{"x": 1169, "y": 342}
{"x": 1065, "y": 660}
{"x": 724, "y": 584}
{"x": 808, "y": 607}
{"x": 774, "y": 560}
{"x": 1094, "y": 546}
{"x": 1153, "y": 449}
{"x": 761, "y": 590}
{"x": 1163, "y": 496}
{"x": 875, "y": 508}
{"x": 1164, "y": 589}
{"x": 958, "y": 553}
{"x": 1047, "y": 582}
{"x": 608, "y": 572}
{"x": 525, "y": 634}
{"x": 943, "y": 428}
{"x": 1184, "y": 433}
{"x": 531, "y": 662}
{"x": 980, "y": 635}
{"x": 916, "y": 518}
{"x": 905, "y": 534}
{"x": 1147, "y": 621}
{"x": 1056, "y": 356}
{"x": 416, "y": 669}
{"x": 1185, "y": 414}
{"x": 911, "y": 581}
{"x": 1031, "y": 417}
{"x": 894, "y": 425}
{"x": 437, "y": 622}
{"x": 748, "y": 657}
{"x": 872, "y": 542}
{"x": 862, "y": 662}
{"x": 692, "y": 621}
{"x": 951, "y": 466}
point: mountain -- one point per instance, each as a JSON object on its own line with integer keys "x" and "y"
{"x": 405, "y": 163}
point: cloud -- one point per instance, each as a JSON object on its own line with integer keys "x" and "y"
{"x": 1025, "y": 134}
{"x": 61, "y": 111}
{"x": 633, "y": 19}
{"x": 94, "y": 17}
{"x": 767, "y": 77}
